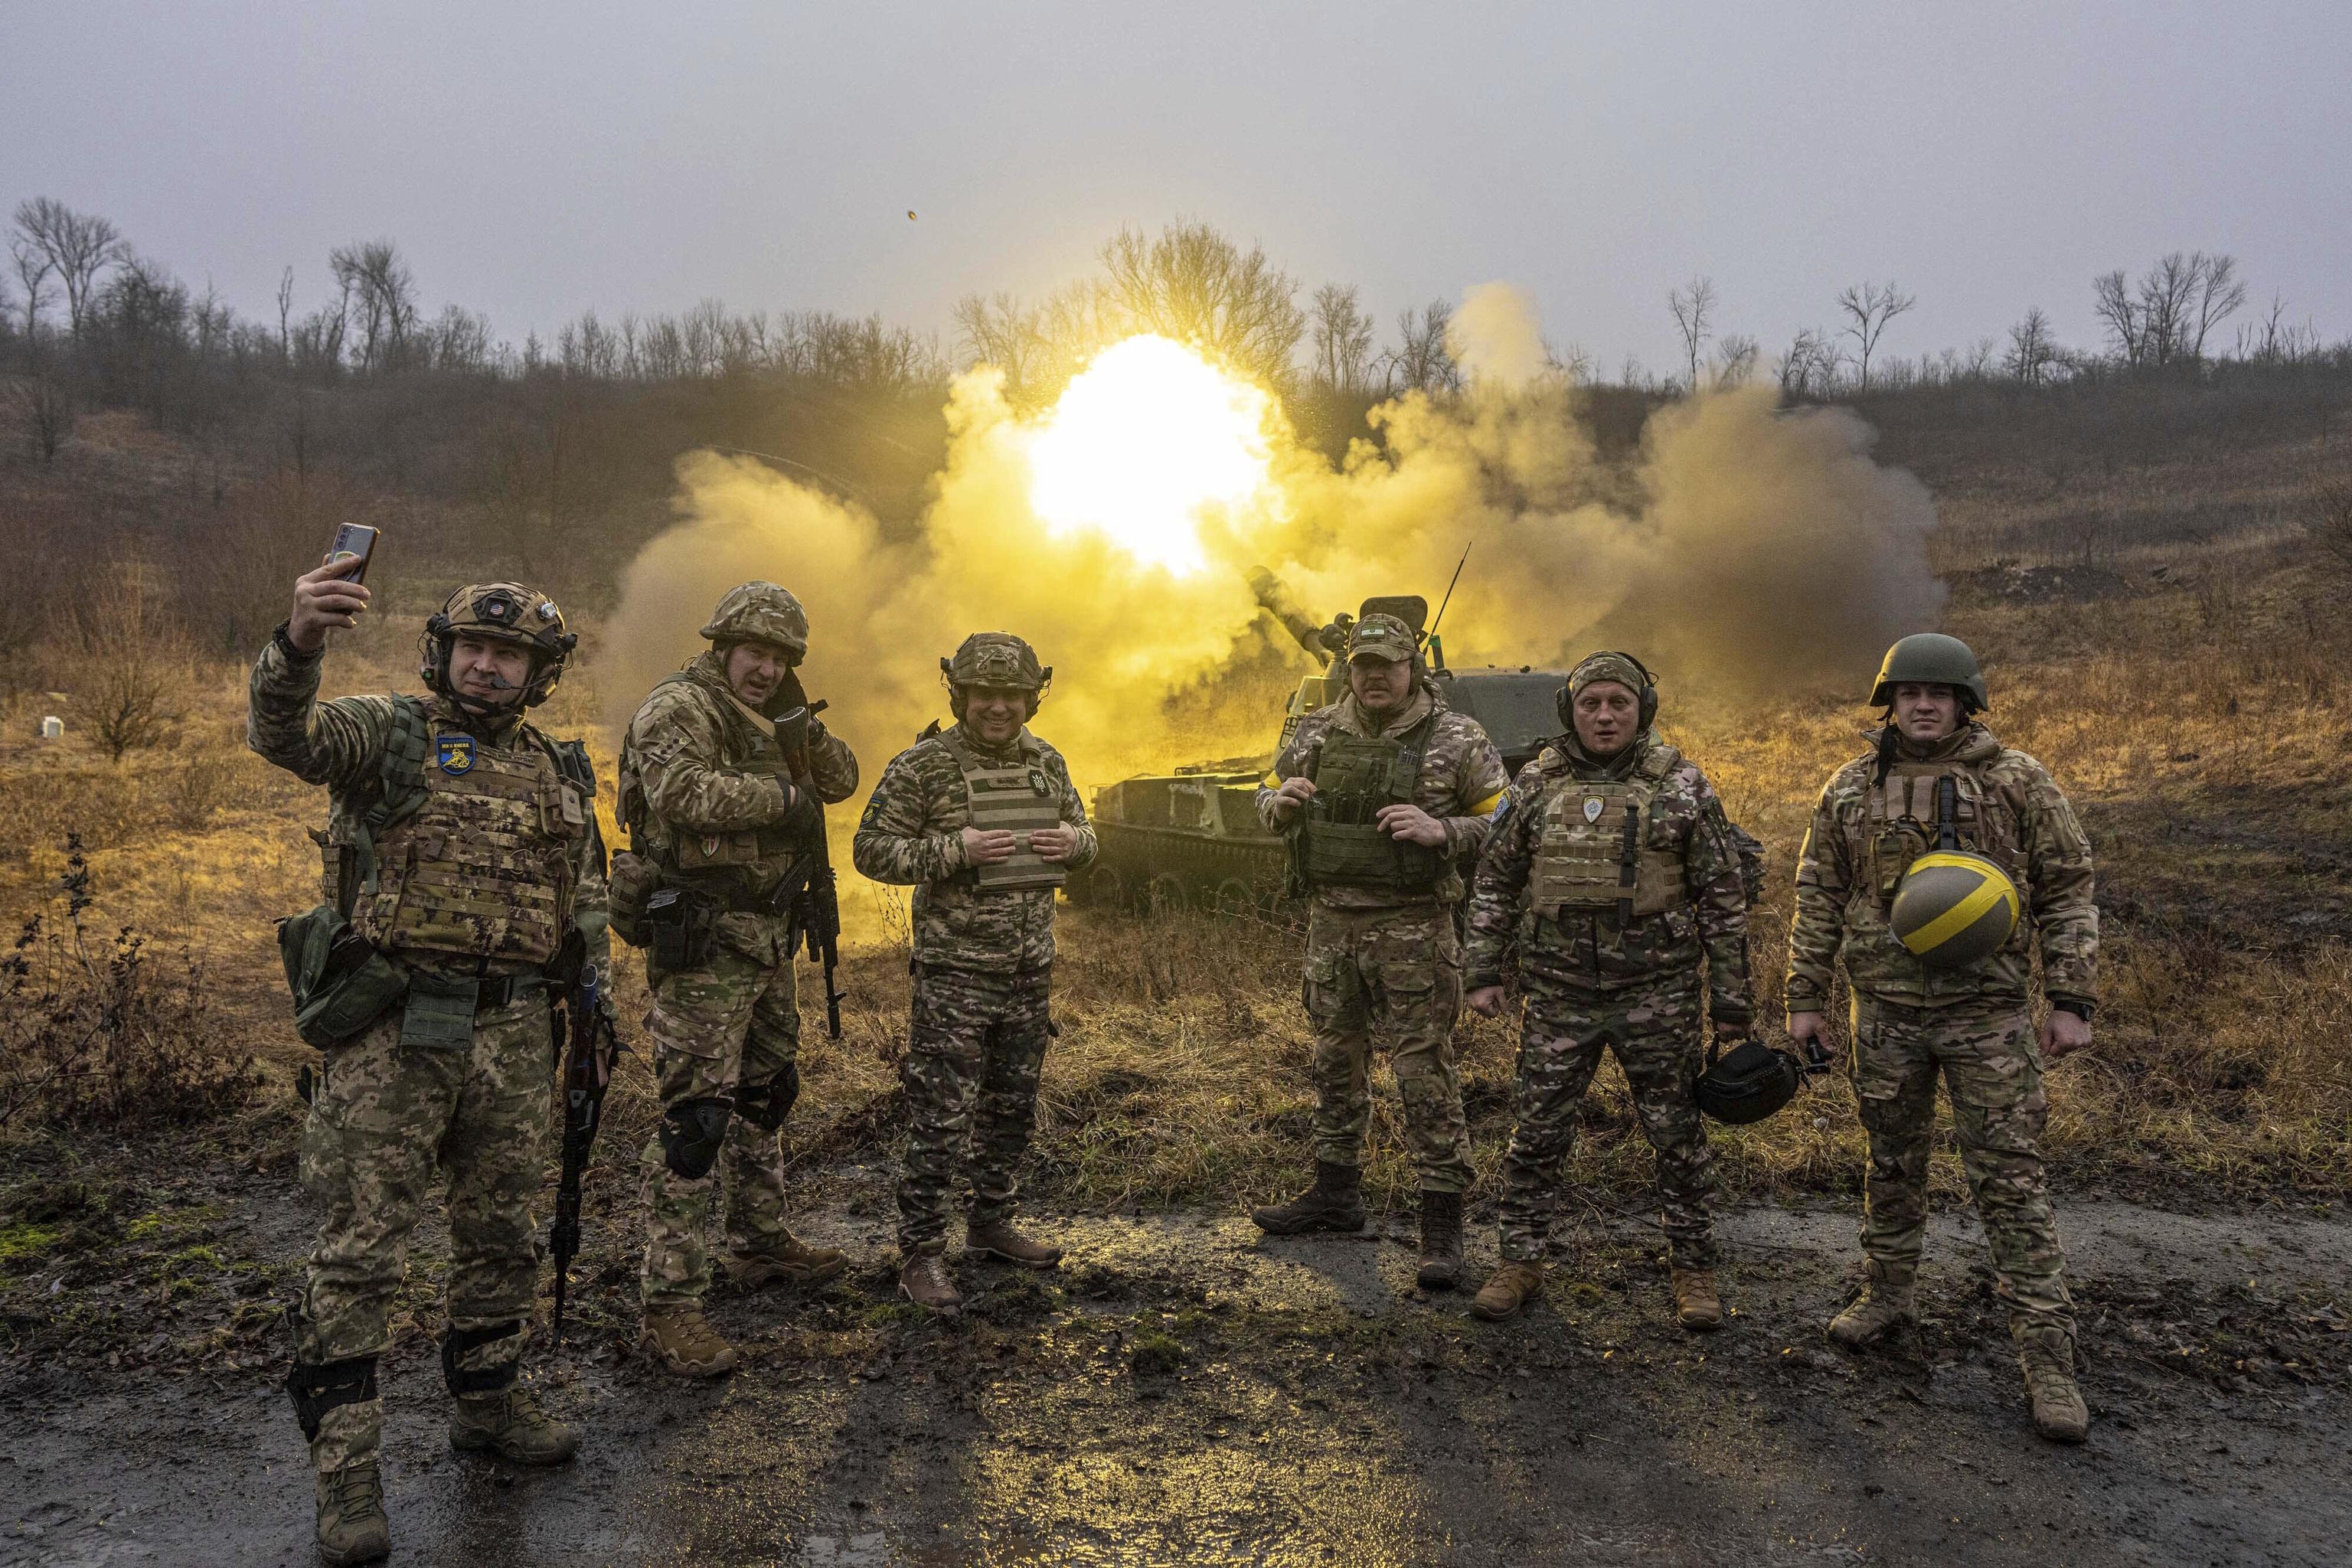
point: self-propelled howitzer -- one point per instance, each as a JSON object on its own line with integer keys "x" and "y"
{"x": 1193, "y": 836}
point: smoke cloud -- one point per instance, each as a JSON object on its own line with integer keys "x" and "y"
{"x": 1740, "y": 548}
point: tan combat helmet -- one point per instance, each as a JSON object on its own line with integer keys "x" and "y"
{"x": 497, "y": 612}
{"x": 761, "y": 612}
{"x": 995, "y": 659}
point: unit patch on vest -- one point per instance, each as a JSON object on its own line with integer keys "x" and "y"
{"x": 1592, "y": 809}
{"x": 457, "y": 753}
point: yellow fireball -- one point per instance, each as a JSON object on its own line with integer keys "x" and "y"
{"x": 1142, "y": 444}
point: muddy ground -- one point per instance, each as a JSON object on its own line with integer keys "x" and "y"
{"x": 1182, "y": 1392}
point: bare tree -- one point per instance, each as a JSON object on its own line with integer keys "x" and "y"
{"x": 1341, "y": 335}
{"x": 1868, "y": 308}
{"x": 1809, "y": 366}
{"x": 2177, "y": 301}
{"x": 77, "y": 245}
{"x": 32, "y": 266}
{"x": 1003, "y": 332}
{"x": 2220, "y": 294}
{"x": 1194, "y": 284}
{"x": 1693, "y": 309}
{"x": 2033, "y": 349}
{"x": 1421, "y": 361}
{"x": 376, "y": 281}
{"x": 1735, "y": 359}
{"x": 2275, "y": 340}
{"x": 2168, "y": 294}
{"x": 285, "y": 315}
{"x": 2118, "y": 311}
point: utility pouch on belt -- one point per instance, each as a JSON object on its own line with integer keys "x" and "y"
{"x": 440, "y": 1012}
{"x": 340, "y": 981}
{"x": 630, "y": 883}
{"x": 679, "y": 929}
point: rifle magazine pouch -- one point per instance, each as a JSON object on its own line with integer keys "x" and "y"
{"x": 440, "y": 1012}
{"x": 341, "y": 981}
{"x": 629, "y": 883}
{"x": 678, "y": 929}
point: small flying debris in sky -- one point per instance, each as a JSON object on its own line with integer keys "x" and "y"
{"x": 910, "y": 214}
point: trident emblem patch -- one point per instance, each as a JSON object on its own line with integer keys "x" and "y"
{"x": 1591, "y": 808}
{"x": 455, "y": 753}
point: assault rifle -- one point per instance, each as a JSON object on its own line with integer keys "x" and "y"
{"x": 593, "y": 1049}
{"x": 811, "y": 894}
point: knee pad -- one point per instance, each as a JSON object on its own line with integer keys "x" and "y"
{"x": 317, "y": 1387}
{"x": 479, "y": 1380}
{"x": 766, "y": 1106}
{"x": 692, "y": 1132}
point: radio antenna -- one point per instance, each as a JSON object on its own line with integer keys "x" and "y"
{"x": 1449, "y": 588}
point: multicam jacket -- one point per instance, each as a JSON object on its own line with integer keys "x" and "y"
{"x": 538, "y": 868}
{"x": 2013, "y": 812}
{"x": 1584, "y": 949}
{"x": 912, "y": 835}
{"x": 1462, "y": 782}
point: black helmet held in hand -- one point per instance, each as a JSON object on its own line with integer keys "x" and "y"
{"x": 1748, "y": 1084}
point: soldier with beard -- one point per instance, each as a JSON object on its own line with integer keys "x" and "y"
{"x": 1972, "y": 1026}
{"x": 724, "y": 776}
{"x": 462, "y": 848}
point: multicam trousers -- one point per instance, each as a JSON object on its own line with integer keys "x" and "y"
{"x": 1655, "y": 1035}
{"x": 1391, "y": 978}
{"x": 1991, "y": 1061}
{"x": 383, "y": 1118}
{"x": 731, "y": 1025}
{"x": 973, "y": 1058}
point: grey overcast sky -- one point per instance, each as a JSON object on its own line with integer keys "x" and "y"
{"x": 532, "y": 160}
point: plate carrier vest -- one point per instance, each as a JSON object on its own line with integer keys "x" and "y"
{"x": 1338, "y": 842}
{"x": 1017, "y": 796}
{"x": 1593, "y": 851}
{"x": 472, "y": 863}
{"x": 741, "y": 867}
{"x": 1914, "y": 811}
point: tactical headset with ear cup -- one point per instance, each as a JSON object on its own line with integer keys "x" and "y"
{"x": 1645, "y": 697}
{"x": 996, "y": 659}
{"x": 497, "y": 612}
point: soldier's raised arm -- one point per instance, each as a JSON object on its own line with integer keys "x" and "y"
{"x": 833, "y": 766}
{"x": 680, "y": 755}
{"x": 338, "y": 744}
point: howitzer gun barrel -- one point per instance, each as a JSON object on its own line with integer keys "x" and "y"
{"x": 1276, "y": 600}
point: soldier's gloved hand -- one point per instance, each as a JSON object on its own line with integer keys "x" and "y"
{"x": 1053, "y": 845}
{"x": 987, "y": 848}
{"x": 1294, "y": 794}
{"x": 323, "y": 601}
{"x": 1487, "y": 1001}
{"x": 1412, "y": 825}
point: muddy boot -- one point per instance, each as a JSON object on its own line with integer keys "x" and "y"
{"x": 1335, "y": 1202}
{"x": 1698, "y": 1306}
{"x": 1441, "y": 1241}
{"x": 2047, "y": 1357}
{"x": 1006, "y": 1245}
{"x": 682, "y": 1341}
{"x": 351, "y": 1526}
{"x": 1884, "y": 1303}
{"x": 923, "y": 1280}
{"x": 788, "y": 1258}
{"x": 1507, "y": 1289}
{"x": 511, "y": 1425}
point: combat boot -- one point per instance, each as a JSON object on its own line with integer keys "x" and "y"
{"x": 1507, "y": 1289}
{"x": 351, "y": 1526}
{"x": 1441, "y": 1241}
{"x": 923, "y": 1280}
{"x": 2047, "y": 1357}
{"x": 1882, "y": 1304}
{"x": 1006, "y": 1245}
{"x": 511, "y": 1425}
{"x": 1335, "y": 1202}
{"x": 1698, "y": 1306}
{"x": 682, "y": 1341}
{"x": 788, "y": 1258}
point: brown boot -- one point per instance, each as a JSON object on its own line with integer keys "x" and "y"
{"x": 351, "y": 1526}
{"x": 1335, "y": 1202}
{"x": 1886, "y": 1301}
{"x": 1507, "y": 1289}
{"x": 682, "y": 1341}
{"x": 2046, "y": 1355}
{"x": 923, "y": 1280}
{"x": 1698, "y": 1306}
{"x": 1441, "y": 1241}
{"x": 1006, "y": 1245}
{"x": 511, "y": 1425}
{"x": 788, "y": 1258}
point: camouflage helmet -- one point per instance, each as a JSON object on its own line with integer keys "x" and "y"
{"x": 761, "y": 612}
{"x": 498, "y": 612}
{"x": 1931, "y": 658}
{"x": 1382, "y": 636}
{"x": 997, "y": 659}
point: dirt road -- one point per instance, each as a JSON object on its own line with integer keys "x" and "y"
{"x": 1183, "y": 1393}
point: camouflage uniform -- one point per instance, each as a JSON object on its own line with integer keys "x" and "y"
{"x": 1632, "y": 985}
{"x": 1388, "y": 966}
{"x": 702, "y": 786}
{"x": 388, "y": 1113}
{"x": 1975, "y": 1024}
{"x": 982, "y": 965}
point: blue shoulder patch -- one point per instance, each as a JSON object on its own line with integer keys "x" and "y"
{"x": 455, "y": 753}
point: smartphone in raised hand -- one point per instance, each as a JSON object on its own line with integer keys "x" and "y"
{"x": 354, "y": 542}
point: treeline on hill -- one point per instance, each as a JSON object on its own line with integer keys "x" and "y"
{"x": 163, "y": 448}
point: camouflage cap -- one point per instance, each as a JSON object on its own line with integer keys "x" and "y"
{"x": 1382, "y": 637}
{"x": 1598, "y": 666}
{"x": 996, "y": 659}
{"x": 760, "y": 612}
